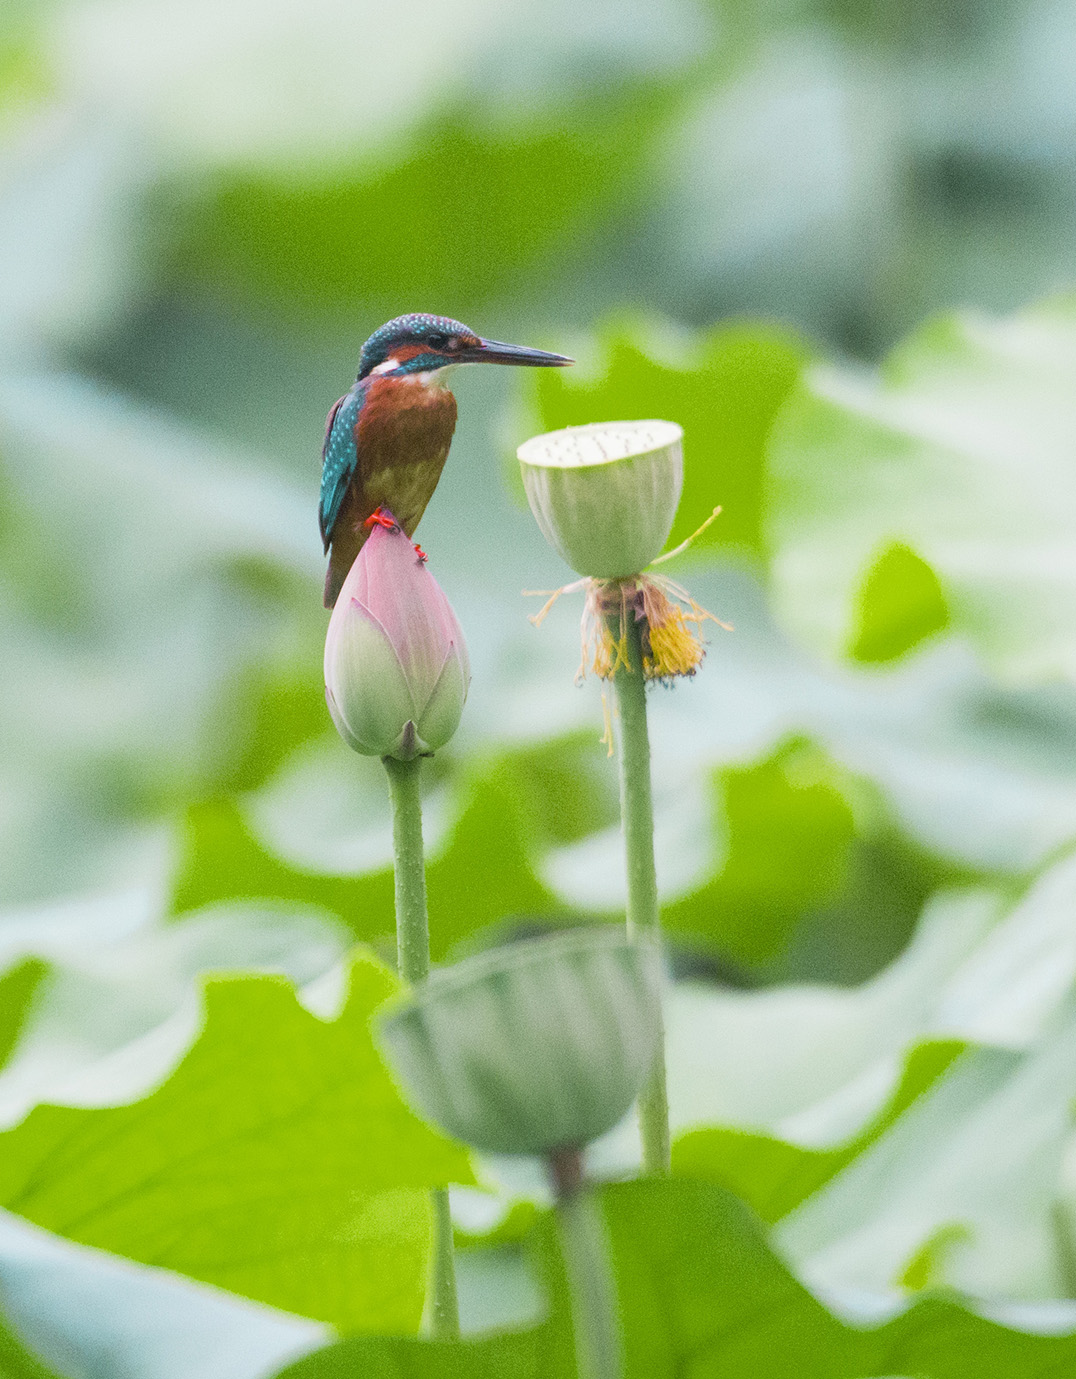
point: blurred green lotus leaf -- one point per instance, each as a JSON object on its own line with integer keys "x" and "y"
{"x": 276, "y": 1161}
{"x": 481, "y": 875}
{"x": 900, "y": 605}
{"x": 428, "y": 228}
{"x": 960, "y": 450}
{"x": 16, "y": 1362}
{"x": 529, "y": 1353}
{"x": 18, "y": 987}
{"x": 775, "y": 1176}
{"x": 723, "y": 387}
{"x": 788, "y": 831}
{"x": 702, "y": 1293}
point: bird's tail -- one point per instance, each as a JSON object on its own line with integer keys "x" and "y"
{"x": 346, "y": 545}
{"x": 348, "y": 541}
{"x": 334, "y": 581}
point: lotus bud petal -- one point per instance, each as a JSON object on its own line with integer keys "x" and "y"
{"x": 537, "y": 1046}
{"x": 396, "y": 668}
{"x": 605, "y": 495}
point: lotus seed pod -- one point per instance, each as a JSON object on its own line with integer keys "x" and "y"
{"x": 532, "y": 1047}
{"x": 605, "y": 495}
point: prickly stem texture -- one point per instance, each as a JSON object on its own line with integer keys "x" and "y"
{"x": 637, "y": 822}
{"x": 413, "y": 963}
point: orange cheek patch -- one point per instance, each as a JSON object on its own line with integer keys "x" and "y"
{"x": 406, "y": 352}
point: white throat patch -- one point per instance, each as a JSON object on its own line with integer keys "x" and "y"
{"x": 437, "y": 378}
{"x": 430, "y": 378}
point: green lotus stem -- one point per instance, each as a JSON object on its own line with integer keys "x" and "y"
{"x": 598, "y": 1345}
{"x": 444, "y": 1302}
{"x": 412, "y": 921}
{"x": 637, "y": 821}
{"x": 413, "y": 964}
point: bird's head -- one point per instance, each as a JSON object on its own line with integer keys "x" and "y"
{"x": 419, "y": 344}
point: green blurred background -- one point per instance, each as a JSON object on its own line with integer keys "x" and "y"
{"x": 732, "y": 214}
{"x": 206, "y": 208}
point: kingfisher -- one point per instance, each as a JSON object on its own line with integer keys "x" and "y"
{"x": 387, "y": 440}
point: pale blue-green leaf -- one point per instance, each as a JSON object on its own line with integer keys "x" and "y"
{"x": 786, "y": 225}
{"x": 189, "y": 75}
{"x": 326, "y": 810}
{"x": 810, "y": 1064}
{"x": 982, "y": 1152}
{"x": 137, "y": 529}
{"x": 983, "y": 1148}
{"x": 961, "y": 449}
{"x": 122, "y": 1001}
{"x": 71, "y": 189}
{"x": 94, "y": 1316}
{"x": 703, "y": 1294}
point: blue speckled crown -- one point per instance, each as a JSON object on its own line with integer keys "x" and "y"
{"x": 411, "y": 329}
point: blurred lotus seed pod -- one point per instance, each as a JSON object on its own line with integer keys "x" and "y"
{"x": 532, "y": 1047}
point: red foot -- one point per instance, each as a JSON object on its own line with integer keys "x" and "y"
{"x": 421, "y": 553}
{"x": 381, "y": 518}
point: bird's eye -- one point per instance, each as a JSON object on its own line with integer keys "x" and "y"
{"x": 438, "y": 341}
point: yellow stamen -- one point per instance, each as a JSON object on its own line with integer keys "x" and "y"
{"x": 674, "y": 650}
{"x": 671, "y": 648}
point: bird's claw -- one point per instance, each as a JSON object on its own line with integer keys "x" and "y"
{"x": 381, "y": 517}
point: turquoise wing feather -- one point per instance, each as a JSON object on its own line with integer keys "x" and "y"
{"x": 339, "y": 459}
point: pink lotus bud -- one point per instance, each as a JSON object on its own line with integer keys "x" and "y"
{"x": 396, "y": 668}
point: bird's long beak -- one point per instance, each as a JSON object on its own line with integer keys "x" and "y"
{"x": 494, "y": 352}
